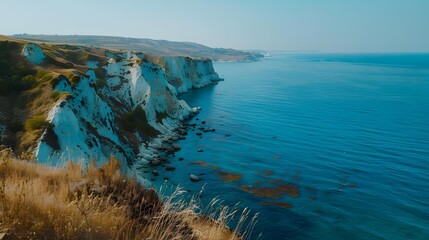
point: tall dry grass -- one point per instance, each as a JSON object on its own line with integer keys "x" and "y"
{"x": 76, "y": 202}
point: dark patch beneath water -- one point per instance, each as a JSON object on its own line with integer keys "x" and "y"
{"x": 277, "y": 204}
{"x": 229, "y": 176}
{"x": 277, "y": 191}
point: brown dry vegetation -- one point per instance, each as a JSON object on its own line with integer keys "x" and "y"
{"x": 75, "y": 202}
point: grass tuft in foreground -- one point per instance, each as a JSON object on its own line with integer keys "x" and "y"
{"x": 76, "y": 202}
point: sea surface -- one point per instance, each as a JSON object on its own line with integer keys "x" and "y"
{"x": 322, "y": 146}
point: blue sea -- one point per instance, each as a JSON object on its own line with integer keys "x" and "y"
{"x": 322, "y": 146}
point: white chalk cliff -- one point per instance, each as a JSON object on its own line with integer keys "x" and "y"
{"x": 185, "y": 73}
{"x": 122, "y": 112}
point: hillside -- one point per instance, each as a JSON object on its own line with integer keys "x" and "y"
{"x": 157, "y": 47}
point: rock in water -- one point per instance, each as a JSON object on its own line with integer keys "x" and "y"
{"x": 155, "y": 162}
{"x": 170, "y": 150}
{"x": 195, "y": 178}
{"x": 176, "y": 146}
{"x": 169, "y": 168}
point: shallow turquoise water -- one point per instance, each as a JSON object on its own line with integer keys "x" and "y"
{"x": 349, "y": 132}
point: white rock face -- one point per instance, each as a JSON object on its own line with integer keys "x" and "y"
{"x": 185, "y": 73}
{"x": 33, "y": 53}
{"x": 88, "y": 123}
{"x": 145, "y": 86}
{"x": 92, "y": 64}
{"x": 84, "y": 125}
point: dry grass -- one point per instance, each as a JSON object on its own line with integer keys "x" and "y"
{"x": 75, "y": 202}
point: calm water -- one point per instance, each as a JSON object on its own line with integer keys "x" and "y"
{"x": 341, "y": 140}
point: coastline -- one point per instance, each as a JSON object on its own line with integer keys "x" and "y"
{"x": 98, "y": 103}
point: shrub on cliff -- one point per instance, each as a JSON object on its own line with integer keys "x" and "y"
{"x": 74, "y": 80}
{"x": 54, "y": 82}
{"x": 13, "y": 68}
{"x": 28, "y": 81}
{"x": 101, "y": 82}
{"x": 36, "y": 123}
{"x": 136, "y": 120}
{"x": 55, "y": 95}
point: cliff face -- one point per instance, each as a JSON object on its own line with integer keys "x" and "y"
{"x": 185, "y": 73}
{"x": 110, "y": 103}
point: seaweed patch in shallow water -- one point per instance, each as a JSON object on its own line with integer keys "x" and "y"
{"x": 200, "y": 163}
{"x": 274, "y": 192}
{"x": 229, "y": 176}
{"x": 226, "y": 176}
{"x": 215, "y": 167}
{"x": 277, "y": 204}
{"x": 276, "y": 181}
{"x": 259, "y": 182}
{"x": 265, "y": 173}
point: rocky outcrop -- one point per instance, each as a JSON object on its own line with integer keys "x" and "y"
{"x": 33, "y": 53}
{"x": 185, "y": 73}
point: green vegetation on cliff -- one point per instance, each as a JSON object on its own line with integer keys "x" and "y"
{"x": 27, "y": 90}
{"x": 16, "y": 75}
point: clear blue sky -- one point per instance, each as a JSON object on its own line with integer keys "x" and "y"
{"x": 322, "y": 25}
